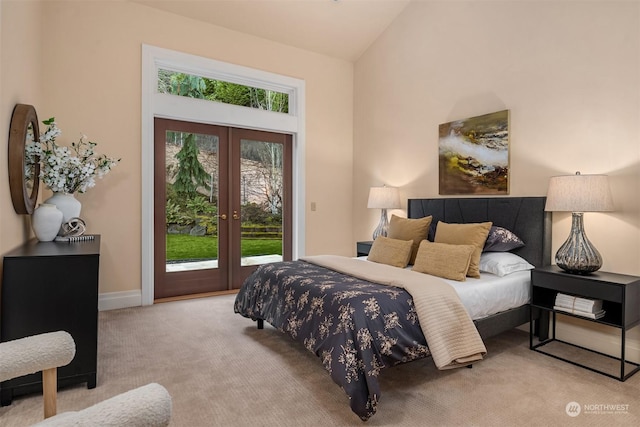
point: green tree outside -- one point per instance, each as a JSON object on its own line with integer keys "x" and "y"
{"x": 190, "y": 174}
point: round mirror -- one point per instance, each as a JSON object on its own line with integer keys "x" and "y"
{"x": 23, "y": 173}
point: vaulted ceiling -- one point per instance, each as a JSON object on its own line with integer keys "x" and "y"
{"x": 338, "y": 28}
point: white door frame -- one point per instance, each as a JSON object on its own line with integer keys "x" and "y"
{"x": 155, "y": 104}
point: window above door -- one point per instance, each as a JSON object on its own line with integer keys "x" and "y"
{"x": 194, "y": 86}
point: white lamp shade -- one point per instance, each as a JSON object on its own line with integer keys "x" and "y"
{"x": 579, "y": 193}
{"x": 384, "y": 198}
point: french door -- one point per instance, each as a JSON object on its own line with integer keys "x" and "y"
{"x": 222, "y": 205}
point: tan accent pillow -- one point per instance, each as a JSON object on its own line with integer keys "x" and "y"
{"x": 444, "y": 260}
{"x": 409, "y": 229}
{"x": 390, "y": 251}
{"x": 465, "y": 234}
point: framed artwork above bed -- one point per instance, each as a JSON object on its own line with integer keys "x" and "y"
{"x": 473, "y": 155}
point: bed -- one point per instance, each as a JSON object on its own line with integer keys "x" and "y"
{"x": 358, "y": 325}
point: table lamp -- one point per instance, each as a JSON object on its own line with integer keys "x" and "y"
{"x": 578, "y": 194}
{"x": 383, "y": 198}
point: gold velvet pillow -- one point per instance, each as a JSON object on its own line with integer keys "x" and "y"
{"x": 409, "y": 229}
{"x": 390, "y": 251}
{"x": 465, "y": 234}
{"x": 444, "y": 260}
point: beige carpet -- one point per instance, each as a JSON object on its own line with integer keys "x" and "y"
{"x": 222, "y": 371}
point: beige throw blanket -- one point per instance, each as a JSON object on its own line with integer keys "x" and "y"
{"x": 451, "y": 335}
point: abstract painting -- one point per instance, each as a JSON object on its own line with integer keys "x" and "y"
{"x": 474, "y": 155}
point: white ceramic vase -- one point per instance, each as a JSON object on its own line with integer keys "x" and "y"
{"x": 46, "y": 221}
{"x": 67, "y": 204}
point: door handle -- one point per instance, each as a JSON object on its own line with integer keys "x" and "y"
{"x": 235, "y": 215}
{"x": 223, "y": 216}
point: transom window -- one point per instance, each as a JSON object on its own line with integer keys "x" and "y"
{"x": 193, "y": 86}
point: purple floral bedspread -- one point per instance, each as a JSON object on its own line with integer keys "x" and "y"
{"x": 355, "y": 327}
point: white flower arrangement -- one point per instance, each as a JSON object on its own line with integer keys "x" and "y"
{"x": 64, "y": 169}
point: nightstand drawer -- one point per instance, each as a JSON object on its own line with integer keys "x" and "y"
{"x": 576, "y": 285}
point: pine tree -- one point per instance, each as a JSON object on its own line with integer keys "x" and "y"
{"x": 190, "y": 175}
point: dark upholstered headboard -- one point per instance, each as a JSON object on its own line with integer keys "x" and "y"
{"x": 525, "y": 216}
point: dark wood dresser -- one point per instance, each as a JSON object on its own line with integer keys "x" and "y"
{"x": 46, "y": 287}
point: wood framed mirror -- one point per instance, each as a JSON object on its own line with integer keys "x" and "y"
{"x": 24, "y": 179}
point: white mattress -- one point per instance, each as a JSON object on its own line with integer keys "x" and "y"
{"x": 491, "y": 294}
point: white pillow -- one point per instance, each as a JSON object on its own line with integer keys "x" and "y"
{"x": 502, "y": 263}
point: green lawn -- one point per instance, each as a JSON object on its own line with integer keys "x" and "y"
{"x": 180, "y": 246}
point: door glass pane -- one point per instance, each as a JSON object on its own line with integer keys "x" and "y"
{"x": 261, "y": 197}
{"x": 191, "y": 201}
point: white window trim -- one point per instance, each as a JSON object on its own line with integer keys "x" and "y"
{"x": 156, "y": 104}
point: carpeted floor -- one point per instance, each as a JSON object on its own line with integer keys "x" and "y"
{"x": 222, "y": 371}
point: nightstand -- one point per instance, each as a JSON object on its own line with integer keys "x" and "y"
{"x": 363, "y": 248}
{"x": 621, "y": 300}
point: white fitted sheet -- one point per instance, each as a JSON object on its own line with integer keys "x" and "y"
{"x": 491, "y": 294}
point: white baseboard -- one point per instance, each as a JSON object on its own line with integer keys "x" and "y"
{"x": 116, "y": 300}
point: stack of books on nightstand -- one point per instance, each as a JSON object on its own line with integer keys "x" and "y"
{"x": 591, "y": 308}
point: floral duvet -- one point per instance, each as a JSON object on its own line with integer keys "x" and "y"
{"x": 355, "y": 327}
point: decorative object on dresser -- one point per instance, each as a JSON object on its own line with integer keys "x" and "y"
{"x": 617, "y": 295}
{"x": 66, "y": 170}
{"x": 578, "y": 194}
{"x": 49, "y": 286}
{"x": 473, "y": 155}
{"x": 46, "y": 221}
{"x": 74, "y": 227}
{"x": 383, "y": 198}
{"x": 67, "y": 204}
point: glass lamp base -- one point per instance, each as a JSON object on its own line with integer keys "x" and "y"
{"x": 577, "y": 255}
{"x": 381, "y": 229}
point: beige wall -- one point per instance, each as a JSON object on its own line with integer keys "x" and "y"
{"x": 569, "y": 72}
{"x": 20, "y": 82}
{"x": 86, "y": 67}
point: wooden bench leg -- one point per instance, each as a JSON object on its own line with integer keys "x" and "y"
{"x": 49, "y": 390}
